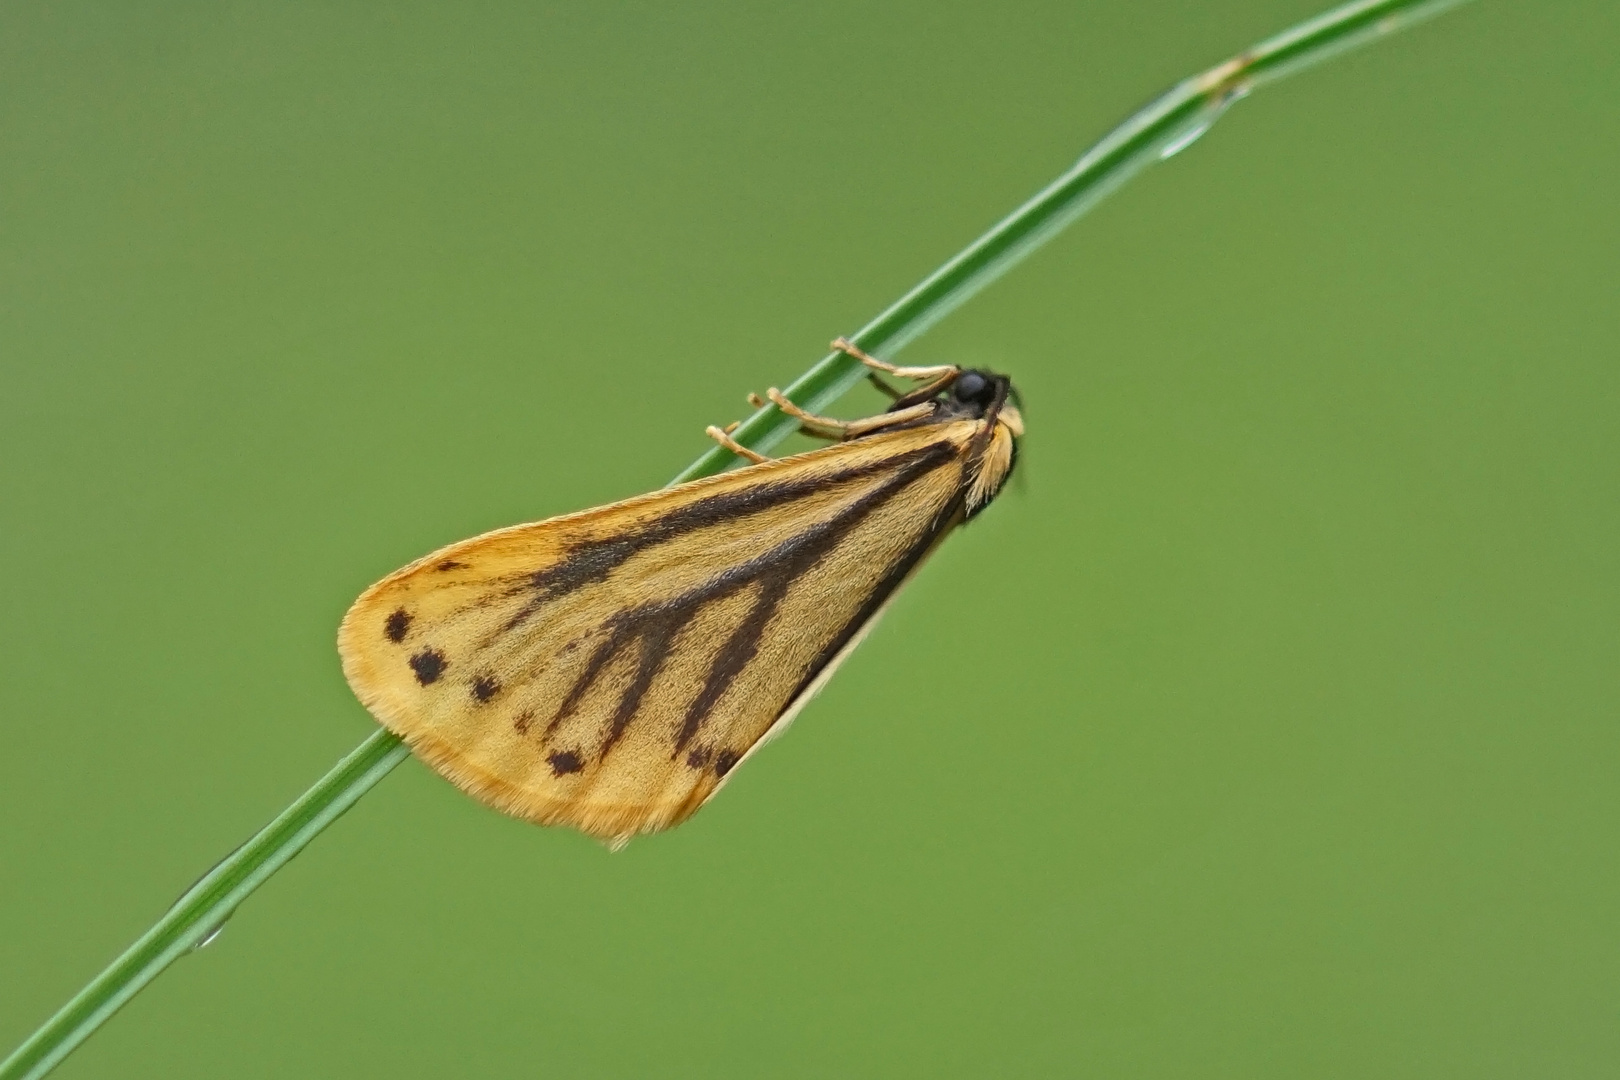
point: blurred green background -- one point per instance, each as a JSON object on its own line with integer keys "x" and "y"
{"x": 1268, "y": 731}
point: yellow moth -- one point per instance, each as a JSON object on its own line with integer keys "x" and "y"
{"x": 610, "y": 669}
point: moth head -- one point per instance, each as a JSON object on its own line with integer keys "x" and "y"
{"x": 976, "y": 394}
{"x": 984, "y": 395}
{"x": 976, "y": 388}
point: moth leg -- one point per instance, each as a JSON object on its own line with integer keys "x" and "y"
{"x": 724, "y": 439}
{"x": 939, "y": 377}
{"x": 759, "y": 403}
{"x": 889, "y": 419}
{"x": 812, "y": 424}
{"x": 847, "y": 429}
{"x": 938, "y": 371}
{"x": 890, "y": 392}
{"x": 927, "y": 391}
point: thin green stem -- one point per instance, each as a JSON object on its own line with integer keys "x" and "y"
{"x": 204, "y": 907}
{"x": 1157, "y": 132}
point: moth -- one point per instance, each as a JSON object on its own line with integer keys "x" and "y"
{"x": 611, "y": 669}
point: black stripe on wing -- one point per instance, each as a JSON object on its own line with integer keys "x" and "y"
{"x": 593, "y": 560}
{"x": 652, "y": 628}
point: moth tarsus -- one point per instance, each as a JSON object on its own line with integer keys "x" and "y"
{"x": 938, "y": 371}
{"x": 890, "y": 392}
{"x": 723, "y": 437}
{"x": 610, "y": 669}
{"x": 811, "y": 424}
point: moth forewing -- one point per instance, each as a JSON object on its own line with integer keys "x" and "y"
{"x": 820, "y": 678}
{"x": 609, "y": 669}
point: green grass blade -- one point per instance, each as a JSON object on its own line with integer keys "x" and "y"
{"x": 1156, "y": 132}
{"x": 204, "y": 907}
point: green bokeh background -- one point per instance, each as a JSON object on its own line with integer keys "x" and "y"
{"x": 1268, "y": 730}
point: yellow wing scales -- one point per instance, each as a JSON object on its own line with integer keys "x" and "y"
{"x": 608, "y": 669}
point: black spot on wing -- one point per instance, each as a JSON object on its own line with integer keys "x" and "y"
{"x": 429, "y": 664}
{"x": 521, "y": 722}
{"x": 725, "y": 761}
{"x": 485, "y": 687}
{"x": 563, "y": 762}
{"x": 449, "y": 564}
{"x": 396, "y": 625}
{"x": 698, "y": 758}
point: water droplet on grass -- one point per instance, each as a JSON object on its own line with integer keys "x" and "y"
{"x": 1201, "y": 123}
{"x": 217, "y": 928}
{"x": 212, "y": 935}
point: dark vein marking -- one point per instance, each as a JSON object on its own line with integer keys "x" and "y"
{"x": 485, "y": 687}
{"x": 521, "y": 722}
{"x": 593, "y": 560}
{"x": 732, "y": 657}
{"x": 778, "y": 569}
{"x": 655, "y": 642}
{"x": 725, "y": 760}
{"x": 655, "y": 632}
{"x": 428, "y": 664}
{"x": 587, "y": 678}
{"x": 892, "y": 581}
{"x": 449, "y": 564}
{"x": 655, "y": 626}
{"x": 564, "y": 762}
{"x": 396, "y": 625}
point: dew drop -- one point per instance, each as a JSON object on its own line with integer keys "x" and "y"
{"x": 1201, "y": 123}
{"x": 212, "y": 935}
{"x": 1187, "y": 138}
{"x": 218, "y": 928}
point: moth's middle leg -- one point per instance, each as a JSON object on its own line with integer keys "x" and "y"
{"x": 828, "y": 428}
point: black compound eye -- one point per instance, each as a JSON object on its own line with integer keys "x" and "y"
{"x": 972, "y": 387}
